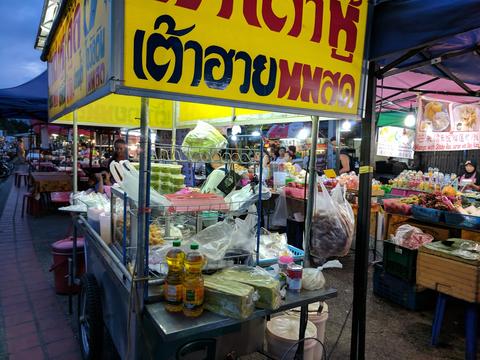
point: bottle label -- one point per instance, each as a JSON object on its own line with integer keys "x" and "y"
{"x": 193, "y": 297}
{"x": 173, "y": 293}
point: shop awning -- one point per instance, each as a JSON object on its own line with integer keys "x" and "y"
{"x": 440, "y": 39}
{"x": 26, "y": 101}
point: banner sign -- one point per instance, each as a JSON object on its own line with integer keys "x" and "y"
{"x": 446, "y": 126}
{"x": 268, "y": 53}
{"x": 395, "y": 142}
{"x": 79, "y": 57}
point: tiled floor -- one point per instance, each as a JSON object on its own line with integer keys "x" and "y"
{"x": 33, "y": 319}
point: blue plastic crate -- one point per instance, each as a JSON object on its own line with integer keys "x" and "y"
{"x": 464, "y": 221}
{"x": 298, "y": 255}
{"x": 426, "y": 214}
{"x": 401, "y": 292}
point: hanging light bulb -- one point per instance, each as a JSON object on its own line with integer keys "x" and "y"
{"x": 303, "y": 134}
{"x": 346, "y": 126}
{"x": 409, "y": 120}
{"x": 236, "y": 129}
{"x": 256, "y": 133}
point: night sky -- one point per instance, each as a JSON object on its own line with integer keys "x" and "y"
{"x": 19, "y": 61}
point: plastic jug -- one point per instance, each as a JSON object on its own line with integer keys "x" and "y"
{"x": 105, "y": 228}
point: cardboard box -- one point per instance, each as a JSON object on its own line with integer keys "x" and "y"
{"x": 470, "y": 235}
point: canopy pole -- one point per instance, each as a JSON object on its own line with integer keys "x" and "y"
{"x": 360, "y": 274}
{"x": 312, "y": 182}
{"x": 174, "y": 128}
{"x": 75, "y": 153}
{"x": 141, "y": 220}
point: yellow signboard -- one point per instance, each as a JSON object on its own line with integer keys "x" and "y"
{"x": 79, "y": 58}
{"x": 304, "y": 55}
{"x": 122, "y": 111}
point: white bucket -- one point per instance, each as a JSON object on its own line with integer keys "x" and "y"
{"x": 105, "y": 228}
{"x": 282, "y": 334}
{"x": 319, "y": 319}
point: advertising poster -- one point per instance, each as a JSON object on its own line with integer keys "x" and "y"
{"x": 396, "y": 142}
{"x": 446, "y": 126}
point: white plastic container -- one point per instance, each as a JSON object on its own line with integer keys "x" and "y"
{"x": 319, "y": 319}
{"x": 105, "y": 228}
{"x": 282, "y": 333}
{"x": 93, "y": 216}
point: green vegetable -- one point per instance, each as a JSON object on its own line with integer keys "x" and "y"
{"x": 267, "y": 287}
{"x": 228, "y": 298}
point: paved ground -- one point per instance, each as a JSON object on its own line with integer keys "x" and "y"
{"x": 34, "y": 322}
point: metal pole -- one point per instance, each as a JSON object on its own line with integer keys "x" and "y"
{"x": 141, "y": 219}
{"x": 312, "y": 182}
{"x": 360, "y": 277}
{"x": 174, "y": 128}
{"x": 338, "y": 147}
{"x": 75, "y": 153}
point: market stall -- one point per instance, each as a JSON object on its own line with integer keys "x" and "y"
{"x": 244, "y": 78}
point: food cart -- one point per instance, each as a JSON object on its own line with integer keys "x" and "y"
{"x": 139, "y": 52}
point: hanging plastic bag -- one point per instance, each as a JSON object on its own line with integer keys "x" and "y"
{"x": 333, "y": 224}
{"x": 280, "y": 214}
{"x": 244, "y": 236}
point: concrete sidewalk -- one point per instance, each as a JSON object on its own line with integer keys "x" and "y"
{"x": 33, "y": 323}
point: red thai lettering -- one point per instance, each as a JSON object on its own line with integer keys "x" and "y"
{"x": 273, "y": 22}
{"x": 317, "y": 29}
{"x": 343, "y": 23}
{"x": 289, "y": 81}
{"x": 311, "y": 83}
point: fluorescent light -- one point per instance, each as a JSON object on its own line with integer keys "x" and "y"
{"x": 346, "y": 126}
{"x": 256, "y": 133}
{"x": 303, "y": 134}
{"x": 236, "y": 129}
{"x": 409, "y": 120}
{"x": 357, "y": 139}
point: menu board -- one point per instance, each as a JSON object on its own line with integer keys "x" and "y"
{"x": 446, "y": 126}
{"x": 395, "y": 142}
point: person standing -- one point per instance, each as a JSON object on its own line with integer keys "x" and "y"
{"x": 347, "y": 163}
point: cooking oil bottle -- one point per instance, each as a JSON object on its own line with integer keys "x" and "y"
{"x": 173, "y": 288}
{"x": 193, "y": 290}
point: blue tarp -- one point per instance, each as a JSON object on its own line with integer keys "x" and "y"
{"x": 441, "y": 26}
{"x": 26, "y": 101}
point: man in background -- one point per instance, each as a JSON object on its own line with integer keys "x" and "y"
{"x": 346, "y": 161}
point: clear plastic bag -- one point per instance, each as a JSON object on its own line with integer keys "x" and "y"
{"x": 313, "y": 279}
{"x": 215, "y": 240}
{"x": 241, "y": 200}
{"x": 410, "y": 237}
{"x": 244, "y": 236}
{"x": 333, "y": 224}
{"x": 203, "y": 142}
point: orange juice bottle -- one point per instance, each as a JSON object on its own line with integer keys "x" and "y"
{"x": 173, "y": 287}
{"x": 193, "y": 290}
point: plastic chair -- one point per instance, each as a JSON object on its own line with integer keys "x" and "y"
{"x": 209, "y": 345}
{"x": 471, "y": 319}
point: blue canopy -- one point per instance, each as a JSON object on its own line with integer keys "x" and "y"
{"x": 26, "y": 101}
{"x": 409, "y": 34}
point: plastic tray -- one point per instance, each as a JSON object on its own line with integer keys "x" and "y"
{"x": 196, "y": 202}
{"x": 464, "y": 221}
{"x": 401, "y": 292}
{"x": 400, "y": 261}
{"x": 426, "y": 214}
{"x": 298, "y": 255}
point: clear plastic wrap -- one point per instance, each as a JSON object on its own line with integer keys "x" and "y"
{"x": 215, "y": 240}
{"x": 241, "y": 200}
{"x": 267, "y": 287}
{"x": 229, "y": 298}
{"x": 333, "y": 224}
{"x": 411, "y": 237}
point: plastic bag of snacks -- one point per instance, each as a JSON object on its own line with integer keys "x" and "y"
{"x": 333, "y": 224}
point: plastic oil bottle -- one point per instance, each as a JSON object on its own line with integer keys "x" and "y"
{"x": 173, "y": 288}
{"x": 193, "y": 290}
